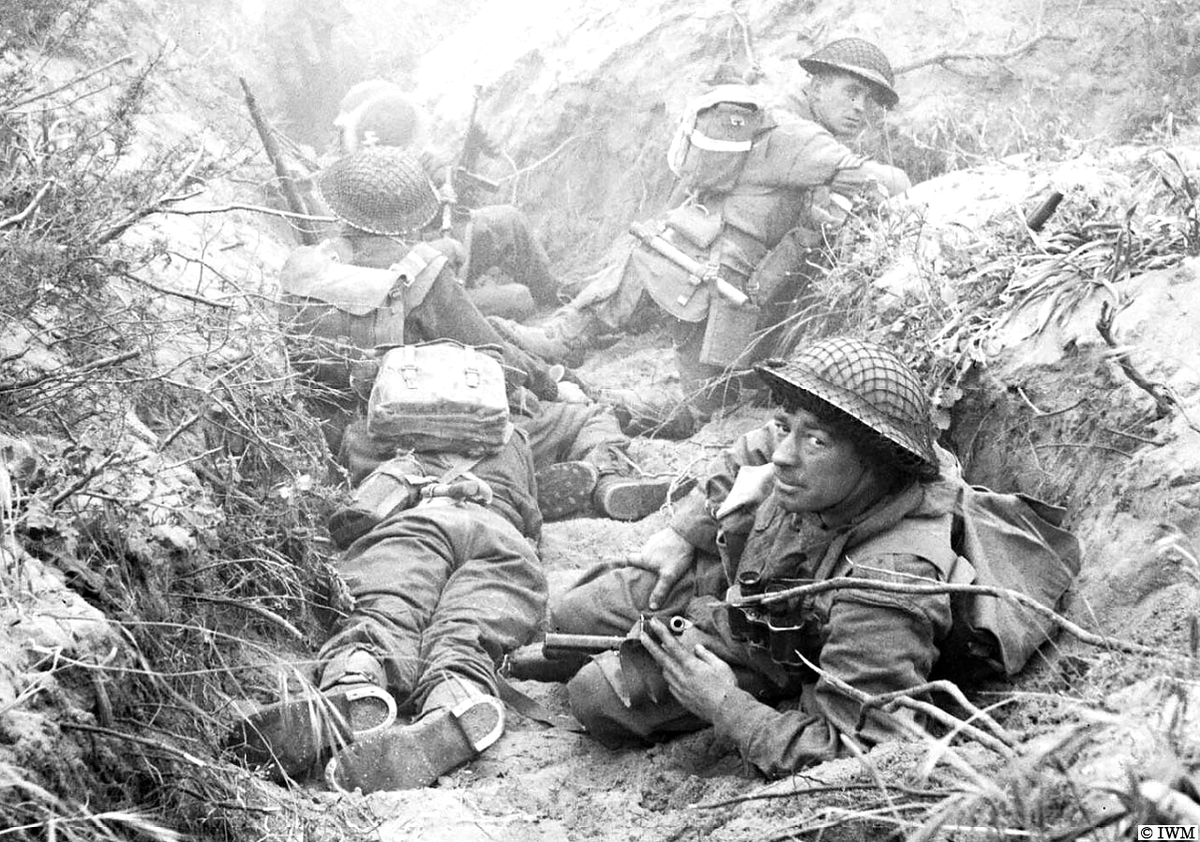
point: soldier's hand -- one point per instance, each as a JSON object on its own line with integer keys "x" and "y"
{"x": 668, "y": 554}
{"x": 697, "y": 678}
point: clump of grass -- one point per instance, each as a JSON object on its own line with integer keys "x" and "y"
{"x": 182, "y": 486}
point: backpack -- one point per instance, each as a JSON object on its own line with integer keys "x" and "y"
{"x": 714, "y": 138}
{"x": 1010, "y": 541}
{"x": 335, "y": 313}
{"x": 440, "y": 396}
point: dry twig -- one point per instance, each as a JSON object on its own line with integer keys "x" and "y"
{"x": 943, "y": 57}
{"x": 1075, "y": 630}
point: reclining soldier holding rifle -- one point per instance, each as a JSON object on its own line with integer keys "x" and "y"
{"x": 784, "y": 578}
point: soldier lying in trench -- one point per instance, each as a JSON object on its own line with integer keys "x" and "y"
{"x": 846, "y": 485}
{"x": 405, "y": 690}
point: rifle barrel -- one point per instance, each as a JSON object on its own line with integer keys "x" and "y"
{"x": 583, "y": 644}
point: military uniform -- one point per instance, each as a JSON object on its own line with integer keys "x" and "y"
{"x": 491, "y": 236}
{"x": 782, "y": 716}
{"x": 877, "y": 643}
{"x": 762, "y": 234}
{"x": 447, "y": 587}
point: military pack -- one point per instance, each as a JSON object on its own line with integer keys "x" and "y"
{"x": 714, "y": 138}
{"x": 440, "y": 396}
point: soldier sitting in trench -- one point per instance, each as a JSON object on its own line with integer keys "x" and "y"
{"x": 747, "y": 215}
{"x": 482, "y": 237}
{"x": 845, "y": 484}
{"x": 382, "y": 195}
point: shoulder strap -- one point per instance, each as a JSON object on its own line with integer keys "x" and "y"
{"x": 417, "y": 271}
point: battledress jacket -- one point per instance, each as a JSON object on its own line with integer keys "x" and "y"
{"x": 875, "y": 642}
{"x": 796, "y": 164}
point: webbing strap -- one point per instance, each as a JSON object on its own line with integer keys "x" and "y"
{"x": 712, "y": 144}
{"x": 531, "y": 708}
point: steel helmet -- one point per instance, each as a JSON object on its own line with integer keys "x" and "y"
{"x": 867, "y": 382}
{"x": 379, "y": 189}
{"x": 860, "y": 58}
{"x": 379, "y": 112}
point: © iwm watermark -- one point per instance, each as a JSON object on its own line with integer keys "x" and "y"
{"x": 1167, "y": 831}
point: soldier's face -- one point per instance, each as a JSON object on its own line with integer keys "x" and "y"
{"x": 839, "y": 102}
{"x": 815, "y": 470}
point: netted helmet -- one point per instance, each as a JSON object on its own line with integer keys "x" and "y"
{"x": 866, "y": 382}
{"x": 379, "y": 189}
{"x": 860, "y": 58}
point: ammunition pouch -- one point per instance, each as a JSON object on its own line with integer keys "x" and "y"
{"x": 784, "y": 274}
{"x": 390, "y": 488}
{"x": 696, "y": 224}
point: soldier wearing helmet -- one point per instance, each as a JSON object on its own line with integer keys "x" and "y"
{"x": 492, "y": 236}
{"x": 382, "y": 195}
{"x": 847, "y": 465}
{"x": 761, "y": 229}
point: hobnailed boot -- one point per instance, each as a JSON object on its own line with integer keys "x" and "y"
{"x": 565, "y": 489}
{"x": 561, "y": 339}
{"x": 458, "y": 721}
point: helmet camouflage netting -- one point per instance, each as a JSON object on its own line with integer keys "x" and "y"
{"x": 379, "y": 189}
{"x": 865, "y": 381}
{"x": 860, "y": 58}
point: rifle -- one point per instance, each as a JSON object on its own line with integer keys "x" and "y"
{"x": 474, "y": 143}
{"x": 559, "y": 656}
{"x": 698, "y": 273}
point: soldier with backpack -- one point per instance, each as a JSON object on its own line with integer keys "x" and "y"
{"x": 754, "y": 188}
{"x": 845, "y": 483}
{"x": 487, "y": 235}
{"x": 377, "y": 285}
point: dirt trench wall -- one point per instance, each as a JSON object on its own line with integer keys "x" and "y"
{"x": 1054, "y": 416}
{"x": 582, "y": 95}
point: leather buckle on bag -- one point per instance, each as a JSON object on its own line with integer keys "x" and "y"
{"x": 408, "y": 367}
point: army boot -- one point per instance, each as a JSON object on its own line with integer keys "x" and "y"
{"x": 623, "y": 492}
{"x": 458, "y": 721}
{"x": 290, "y": 738}
{"x": 563, "y": 338}
{"x": 565, "y": 489}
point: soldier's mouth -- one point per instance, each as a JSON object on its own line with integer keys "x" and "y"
{"x": 785, "y": 486}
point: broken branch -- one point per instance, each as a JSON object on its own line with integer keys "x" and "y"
{"x": 60, "y": 374}
{"x": 75, "y": 81}
{"x": 1163, "y": 402}
{"x": 1075, "y": 630}
{"x": 943, "y": 57}
{"x": 29, "y": 209}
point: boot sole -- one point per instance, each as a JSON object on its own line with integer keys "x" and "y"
{"x": 416, "y": 755}
{"x": 293, "y": 735}
{"x": 565, "y": 489}
{"x": 631, "y": 498}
